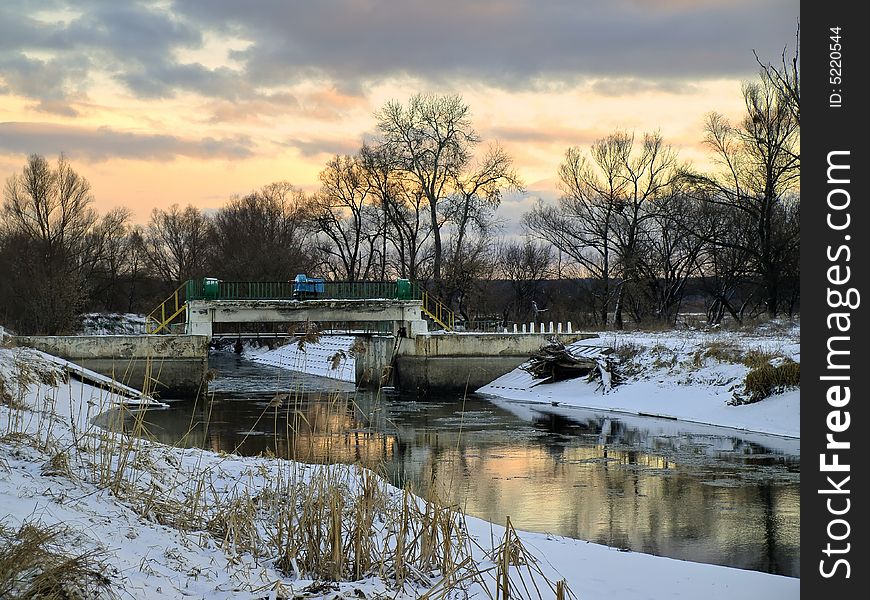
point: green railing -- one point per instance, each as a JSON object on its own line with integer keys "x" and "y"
{"x": 214, "y": 289}
{"x": 198, "y": 289}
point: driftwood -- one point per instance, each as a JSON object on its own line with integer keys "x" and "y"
{"x": 556, "y": 362}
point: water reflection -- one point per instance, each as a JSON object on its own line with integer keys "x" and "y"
{"x": 660, "y": 487}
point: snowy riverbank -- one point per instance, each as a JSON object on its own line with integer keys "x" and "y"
{"x": 162, "y": 522}
{"x": 686, "y": 375}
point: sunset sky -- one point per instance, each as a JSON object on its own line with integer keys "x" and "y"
{"x": 192, "y": 101}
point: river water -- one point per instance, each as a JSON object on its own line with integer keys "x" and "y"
{"x": 647, "y": 485}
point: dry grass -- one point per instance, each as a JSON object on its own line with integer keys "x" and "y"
{"x": 766, "y": 379}
{"x": 34, "y": 563}
{"x": 324, "y": 523}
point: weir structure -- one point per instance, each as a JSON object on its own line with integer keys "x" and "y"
{"x": 396, "y": 346}
{"x": 198, "y": 305}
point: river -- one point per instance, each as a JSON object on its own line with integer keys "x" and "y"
{"x": 648, "y": 485}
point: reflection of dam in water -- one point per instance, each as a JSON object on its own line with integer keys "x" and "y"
{"x": 663, "y": 487}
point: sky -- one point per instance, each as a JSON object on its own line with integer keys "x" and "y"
{"x": 194, "y": 101}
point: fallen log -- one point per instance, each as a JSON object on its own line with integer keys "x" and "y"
{"x": 556, "y": 362}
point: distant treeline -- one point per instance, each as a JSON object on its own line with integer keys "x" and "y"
{"x": 634, "y": 235}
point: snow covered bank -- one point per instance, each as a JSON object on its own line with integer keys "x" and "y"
{"x": 686, "y": 375}
{"x": 328, "y": 357}
{"x": 173, "y": 522}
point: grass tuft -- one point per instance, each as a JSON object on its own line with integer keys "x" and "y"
{"x": 767, "y": 379}
{"x": 34, "y": 564}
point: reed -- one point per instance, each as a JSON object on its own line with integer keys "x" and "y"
{"x": 334, "y": 522}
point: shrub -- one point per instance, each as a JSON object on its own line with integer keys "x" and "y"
{"x": 767, "y": 379}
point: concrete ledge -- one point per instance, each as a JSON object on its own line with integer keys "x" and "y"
{"x": 450, "y": 361}
{"x": 171, "y": 365}
{"x": 483, "y": 344}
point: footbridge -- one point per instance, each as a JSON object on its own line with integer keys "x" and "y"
{"x": 405, "y": 353}
{"x": 198, "y": 305}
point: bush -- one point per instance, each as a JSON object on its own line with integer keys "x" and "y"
{"x": 767, "y": 379}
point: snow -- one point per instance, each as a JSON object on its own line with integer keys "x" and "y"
{"x": 314, "y": 358}
{"x": 112, "y": 324}
{"x": 152, "y": 557}
{"x": 676, "y": 379}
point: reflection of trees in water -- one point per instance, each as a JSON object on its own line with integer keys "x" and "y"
{"x": 596, "y": 479}
{"x": 309, "y": 431}
{"x": 614, "y": 432}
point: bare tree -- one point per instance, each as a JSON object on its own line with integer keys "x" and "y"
{"x": 785, "y": 78}
{"x": 261, "y": 236}
{"x": 346, "y": 220}
{"x": 525, "y": 264}
{"x": 601, "y": 220}
{"x": 759, "y": 170}
{"x": 670, "y": 257}
{"x": 724, "y": 263}
{"x": 176, "y": 243}
{"x": 433, "y": 140}
{"x": 647, "y": 176}
{"x": 581, "y": 225}
{"x": 470, "y": 217}
{"x": 48, "y": 224}
{"x": 400, "y": 198}
{"x": 115, "y": 262}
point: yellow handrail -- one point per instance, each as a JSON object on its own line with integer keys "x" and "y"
{"x": 438, "y": 311}
{"x": 166, "y": 312}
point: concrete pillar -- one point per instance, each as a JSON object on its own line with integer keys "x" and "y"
{"x": 417, "y": 327}
{"x": 569, "y": 327}
{"x": 551, "y": 327}
{"x": 199, "y": 322}
{"x": 560, "y": 328}
{"x": 524, "y": 327}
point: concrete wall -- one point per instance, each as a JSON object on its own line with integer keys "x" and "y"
{"x": 171, "y": 366}
{"x": 451, "y": 361}
{"x": 482, "y": 344}
{"x": 371, "y": 362}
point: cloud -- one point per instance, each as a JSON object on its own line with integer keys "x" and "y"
{"x": 326, "y": 104}
{"x": 104, "y": 143}
{"x": 628, "y": 86}
{"x": 621, "y": 44}
{"x": 54, "y": 83}
{"x": 313, "y": 148}
{"x": 539, "y": 134}
{"x": 507, "y": 42}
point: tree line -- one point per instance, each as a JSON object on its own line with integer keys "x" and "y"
{"x": 635, "y": 235}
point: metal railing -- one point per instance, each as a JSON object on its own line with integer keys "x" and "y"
{"x": 436, "y": 310}
{"x": 167, "y": 311}
{"x": 197, "y": 289}
{"x": 212, "y": 289}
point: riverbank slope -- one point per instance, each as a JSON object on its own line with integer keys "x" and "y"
{"x": 686, "y": 375}
{"x": 162, "y": 522}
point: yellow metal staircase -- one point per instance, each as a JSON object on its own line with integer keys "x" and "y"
{"x": 167, "y": 312}
{"x": 437, "y": 311}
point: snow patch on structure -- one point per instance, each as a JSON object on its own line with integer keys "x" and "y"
{"x": 329, "y": 357}
{"x": 112, "y": 324}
